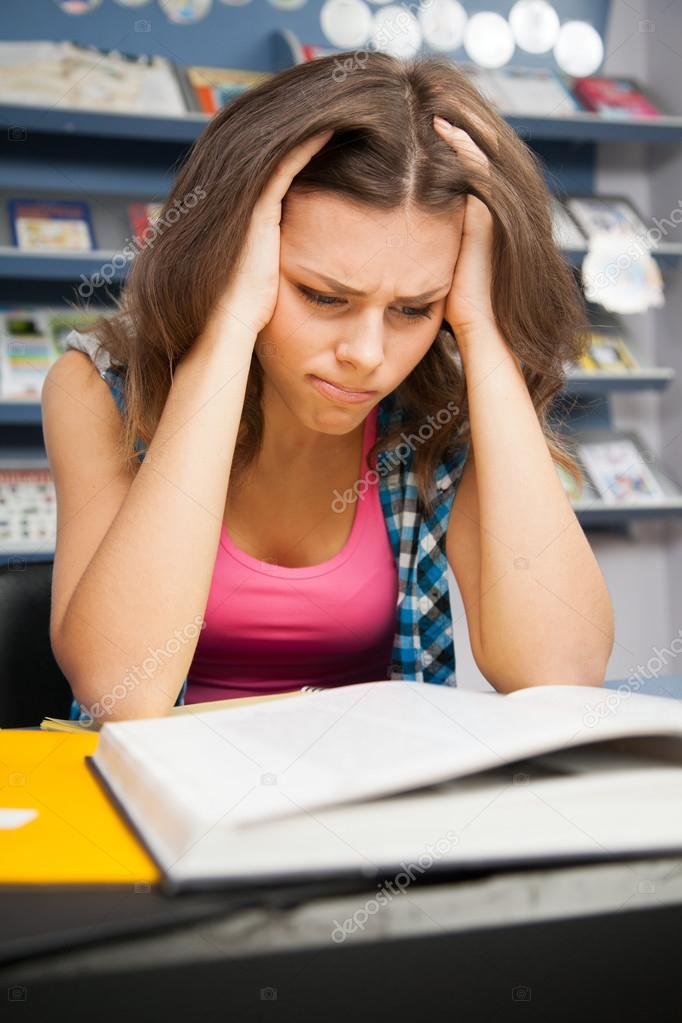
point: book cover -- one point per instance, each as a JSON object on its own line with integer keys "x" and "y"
{"x": 213, "y": 87}
{"x": 76, "y": 75}
{"x": 605, "y": 214}
{"x": 567, "y": 234}
{"x": 43, "y": 225}
{"x": 143, "y": 215}
{"x": 618, "y": 471}
{"x": 519, "y": 90}
{"x": 28, "y": 511}
{"x": 27, "y": 350}
{"x": 62, "y": 322}
{"x": 608, "y": 353}
{"x": 620, "y": 98}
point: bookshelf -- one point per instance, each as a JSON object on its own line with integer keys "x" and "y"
{"x": 112, "y": 159}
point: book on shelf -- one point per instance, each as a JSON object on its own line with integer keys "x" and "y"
{"x": 210, "y": 88}
{"x": 619, "y": 471}
{"x": 28, "y": 510}
{"x": 360, "y": 779}
{"x": 51, "y": 225}
{"x": 607, "y": 353}
{"x": 602, "y": 214}
{"x": 31, "y": 339}
{"x": 67, "y": 75}
{"x": 540, "y": 92}
{"x": 567, "y": 234}
{"x": 615, "y": 98}
{"x": 143, "y": 215}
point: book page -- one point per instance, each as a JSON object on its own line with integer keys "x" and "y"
{"x": 363, "y": 741}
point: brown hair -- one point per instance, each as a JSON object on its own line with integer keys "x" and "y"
{"x": 384, "y": 153}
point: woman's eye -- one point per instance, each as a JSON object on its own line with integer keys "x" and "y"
{"x": 406, "y": 311}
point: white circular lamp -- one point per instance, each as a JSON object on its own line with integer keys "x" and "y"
{"x": 535, "y": 25}
{"x": 579, "y": 50}
{"x": 346, "y": 23}
{"x": 396, "y": 31}
{"x": 488, "y": 39}
{"x": 443, "y": 23}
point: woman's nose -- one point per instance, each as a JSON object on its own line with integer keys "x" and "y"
{"x": 363, "y": 344}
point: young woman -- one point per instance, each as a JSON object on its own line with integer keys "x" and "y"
{"x": 331, "y": 369}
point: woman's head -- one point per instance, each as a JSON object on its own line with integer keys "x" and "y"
{"x": 379, "y": 208}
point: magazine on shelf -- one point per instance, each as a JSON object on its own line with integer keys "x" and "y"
{"x": 619, "y": 471}
{"x": 68, "y": 75}
{"x": 615, "y": 98}
{"x": 605, "y": 214}
{"x": 28, "y": 510}
{"x": 607, "y": 353}
{"x": 210, "y": 88}
{"x": 539, "y": 92}
{"x": 143, "y": 215}
{"x": 31, "y": 339}
{"x": 51, "y": 225}
{"x": 357, "y": 779}
{"x": 567, "y": 234}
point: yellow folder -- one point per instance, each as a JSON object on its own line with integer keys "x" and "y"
{"x": 77, "y": 835}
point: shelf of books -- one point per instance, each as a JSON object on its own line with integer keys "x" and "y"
{"x": 118, "y": 96}
{"x": 51, "y": 240}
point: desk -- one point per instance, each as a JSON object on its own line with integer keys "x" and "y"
{"x": 585, "y": 942}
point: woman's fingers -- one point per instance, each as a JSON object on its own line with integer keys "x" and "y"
{"x": 462, "y": 143}
{"x": 289, "y": 166}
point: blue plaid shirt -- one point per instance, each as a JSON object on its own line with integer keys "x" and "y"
{"x": 423, "y": 645}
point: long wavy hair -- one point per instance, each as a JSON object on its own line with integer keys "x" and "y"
{"x": 383, "y": 153}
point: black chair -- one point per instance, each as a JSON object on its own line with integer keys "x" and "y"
{"x": 31, "y": 683}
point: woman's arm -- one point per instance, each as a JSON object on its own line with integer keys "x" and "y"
{"x": 136, "y": 598}
{"x": 537, "y": 605}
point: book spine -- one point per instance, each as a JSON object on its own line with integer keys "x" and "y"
{"x": 186, "y": 91}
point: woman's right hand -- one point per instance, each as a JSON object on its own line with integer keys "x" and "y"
{"x": 251, "y": 295}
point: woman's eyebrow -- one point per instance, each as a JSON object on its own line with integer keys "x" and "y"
{"x": 347, "y": 290}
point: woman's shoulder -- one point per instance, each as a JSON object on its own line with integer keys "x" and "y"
{"x": 91, "y": 346}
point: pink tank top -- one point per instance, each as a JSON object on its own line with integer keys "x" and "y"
{"x": 270, "y": 629}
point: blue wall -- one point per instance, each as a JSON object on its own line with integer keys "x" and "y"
{"x": 228, "y": 36}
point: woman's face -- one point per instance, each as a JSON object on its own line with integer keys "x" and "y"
{"x": 402, "y": 263}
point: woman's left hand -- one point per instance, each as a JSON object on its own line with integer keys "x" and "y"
{"x": 469, "y": 302}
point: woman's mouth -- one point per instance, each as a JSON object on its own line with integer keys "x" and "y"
{"x": 337, "y": 393}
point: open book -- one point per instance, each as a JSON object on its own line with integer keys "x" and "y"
{"x": 364, "y": 779}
